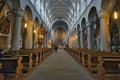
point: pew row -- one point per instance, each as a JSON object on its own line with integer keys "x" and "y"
{"x": 11, "y": 66}
{"x": 98, "y": 62}
{"x": 30, "y": 57}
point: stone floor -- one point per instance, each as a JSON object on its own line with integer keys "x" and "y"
{"x": 59, "y": 66}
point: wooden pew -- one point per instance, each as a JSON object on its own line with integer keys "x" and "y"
{"x": 27, "y": 60}
{"x": 102, "y": 66}
{"x": 109, "y": 63}
{"x": 35, "y": 56}
{"x": 92, "y": 58}
{"x": 40, "y": 55}
{"x": 72, "y": 52}
{"x": 11, "y": 66}
{"x": 78, "y": 54}
{"x": 10, "y": 53}
{"x": 31, "y": 57}
{"x": 108, "y": 67}
{"x": 82, "y": 56}
{"x": 47, "y": 52}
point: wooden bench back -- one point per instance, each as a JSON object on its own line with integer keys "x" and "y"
{"x": 11, "y": 65}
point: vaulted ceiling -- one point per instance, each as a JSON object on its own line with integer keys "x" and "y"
{"x": 60, "y": 9}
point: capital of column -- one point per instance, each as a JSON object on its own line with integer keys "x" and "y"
{"x": 81, "y": 29}
{"x": 88, "y": 24}
{"x": 18, "y": 12}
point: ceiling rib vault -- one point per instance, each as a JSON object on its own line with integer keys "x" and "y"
{"x": 60, "y": 9}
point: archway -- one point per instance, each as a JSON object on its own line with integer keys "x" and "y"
{"x": 60, "y": 33}
{"x": 114, "y": 27}
{"x": 35, "y": 33}
{"x": 23, "y": 33}
{"x": 78, "y": 35}
{"x": 114, "y": 35}
{"x": 84, "y": 34}
{"x": 60, "y": 37}
{"x": 94, "y": 29}
{"x": 26, "y": 28}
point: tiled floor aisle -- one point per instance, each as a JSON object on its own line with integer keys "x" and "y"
{"x": 59, "y": 66}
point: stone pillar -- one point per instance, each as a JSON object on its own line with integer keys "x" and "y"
{"x": 29, "y": 34}
{"x": 45, "y": 41}
{"x": 78, "y": 34}
{"x": 89, "y": 36}
{"x": 67, "y": 37}
{"x": 52, "y": 35}
{"x": 98, "y": 42}
{"x": 76, "y": 38}
{"x": 16, "y": 29}
{"x": 104, "y": 31}
{"x": 95, "y": 38}
{"x": 82, "y": 39}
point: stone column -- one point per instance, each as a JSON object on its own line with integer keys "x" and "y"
{"x": 52, "y": 35}
{"x": 82, "y": 39}
{"x": 104, "y": 31}
{"x": 45, "y": 41}
{"x": 67, "y": 37}
{"x": 89, "y": 36}
{"x": 78, "y": 34}
{"x": 16, "y": 29}
{"x": 29, "y": 34}
{"x": 98, "y": 43}
{"x": 94, "y": 39}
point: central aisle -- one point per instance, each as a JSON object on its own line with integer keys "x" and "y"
{"x": 59, "y": 66}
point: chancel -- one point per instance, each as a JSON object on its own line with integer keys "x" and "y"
{"x": 59, "y": 39}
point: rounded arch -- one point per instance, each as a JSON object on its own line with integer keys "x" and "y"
{"x": 114, "y": 35}
{"x": 60, "y": 24}
{"x": 84, "y": 33}
{"x": 94, "y": 28}
{"x": 92, "y": 16}
{"x": 60, "y": 29}
{"x": 83, "y": 23}
{"x": 35, "y": 32}
{"x": 27, "y": 26}
{"x": 115, "y": 8}
{"x": 36, "y": 22}
{"x": 114, "y": 26}
{"x": 28, "y": 13}
{"x": 78, "y": 35}
{"x": 60, "y": 36}
{"x": 59, "y": 20}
